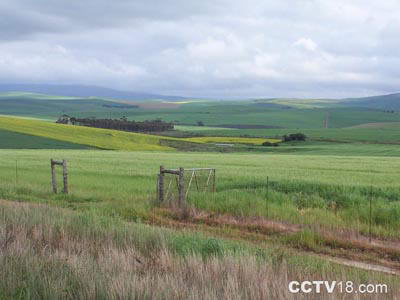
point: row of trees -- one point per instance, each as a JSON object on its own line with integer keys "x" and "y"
{"x": 119, "y": 124}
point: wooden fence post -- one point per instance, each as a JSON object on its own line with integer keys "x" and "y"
{"x": 53, "y": 176}
{"x": 181, "y": 187}
{"x": 161, "y": 185}
{"x": 65, "y": 176}
{"x": 214, "y": 187}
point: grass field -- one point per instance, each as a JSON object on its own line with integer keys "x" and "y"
{"x": 233, "y": 140}
{"x": 51, "y": 107}
{"x": 337, "y": 149}
{"x": 99, "y": 138}
{"x": 286, "y": 113}
{"x": 105, "y": 138}
{"x": 313, "y": 183}
{"x": 379, "y": 125}
{"x": 198, "y": 128}
{"x": 369, "y": 135}
{"x": 50, "y": 253}
{"x": 311, "y": 204}
{"x": 14, "y": 140}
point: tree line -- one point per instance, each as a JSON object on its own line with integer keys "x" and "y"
{"x": 122, "y": 124}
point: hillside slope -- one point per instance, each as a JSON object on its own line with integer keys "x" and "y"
{"x": 94, "y": 137}
{"x": 49, "y": 106}
{"x": 15, "y": 140}
{"x": 388, "y": 102}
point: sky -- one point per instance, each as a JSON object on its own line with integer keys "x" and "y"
{"x": 208, "y": 48}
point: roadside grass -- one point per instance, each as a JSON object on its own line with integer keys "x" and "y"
{"x": 49, "y": 253}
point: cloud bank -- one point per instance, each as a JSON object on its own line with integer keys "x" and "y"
{"x": 218, "y": 48}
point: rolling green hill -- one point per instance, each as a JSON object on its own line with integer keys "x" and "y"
{"x": 387, "y": 102}
{"x": 94, "y": 137}
{"x": 15, "y": 140}
{"x": 62, "y": 135}
{"x": 272, "y": 113}
{"x": 47, "y": 106}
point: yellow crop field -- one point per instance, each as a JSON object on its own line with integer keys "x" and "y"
{"x": 95, "y": 137}
{"x": 231, "y": 140}
{"x": 109, "y": 139}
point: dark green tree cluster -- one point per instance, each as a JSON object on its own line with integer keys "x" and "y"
{"x": 122, "y": 124}
{"x": 294, "y": 137}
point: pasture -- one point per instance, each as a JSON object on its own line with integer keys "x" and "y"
{"x": 283, "y": 113}
{"x": 51, "y": 107}
{"x": 327, "y": 191}
{"x": 387, "y": 135}
{"x": 95, "y": 137}
{"x": 109, "y": 139}
{"x": 14, "y": 140}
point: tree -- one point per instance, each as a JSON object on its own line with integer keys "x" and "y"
{"x": 269, "y": 144}
{"x": 294, "y": 137}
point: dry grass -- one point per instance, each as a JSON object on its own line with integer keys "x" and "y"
{"x": 48, "y": 253}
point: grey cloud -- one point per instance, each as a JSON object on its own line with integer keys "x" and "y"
{"x": 205, "y": 48}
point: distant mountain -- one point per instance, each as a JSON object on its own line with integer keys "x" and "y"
{"x": 84, "y": 91}
{"x": 387, "y": 102}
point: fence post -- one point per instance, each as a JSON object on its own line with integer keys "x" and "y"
{"x": 65, "y": 176}
{"x": 161, "y": 185}
{"x": 181, "y": 187}
{"x": 267, "y": 198}
{"x": 16, "y": 173}
{"x": 370, "y": 214}
{"x": 53, "y": 176}
{"x": 214, "y": 187}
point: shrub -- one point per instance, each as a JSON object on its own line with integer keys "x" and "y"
{"x": 294, "y": 137}
{"x": 269, "y": 144}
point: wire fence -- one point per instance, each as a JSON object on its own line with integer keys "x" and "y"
{"x": 373, "y": 212}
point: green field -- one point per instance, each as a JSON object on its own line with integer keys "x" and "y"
{"x": 367, "y": 135}
{"x": 314, "y": 182}
{"x": 285, "y": 113}
{"x": 106, "y": 138}
{"x": 233, "y": 140}
{"x": 51, "y": 107}
{"x": 14, "y": 140}
{"x": 94, "y": 137}
{"x": 302, "y": 209}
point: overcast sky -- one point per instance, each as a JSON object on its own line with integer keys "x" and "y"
{"x": 209, "y": 48}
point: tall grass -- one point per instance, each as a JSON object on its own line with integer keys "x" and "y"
{"x": 48, "y": 253}
{"x": 332, "y": 192}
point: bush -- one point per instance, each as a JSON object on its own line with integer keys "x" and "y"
{"x": 294, "y": 137}
{"x": 269, "y": 144}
